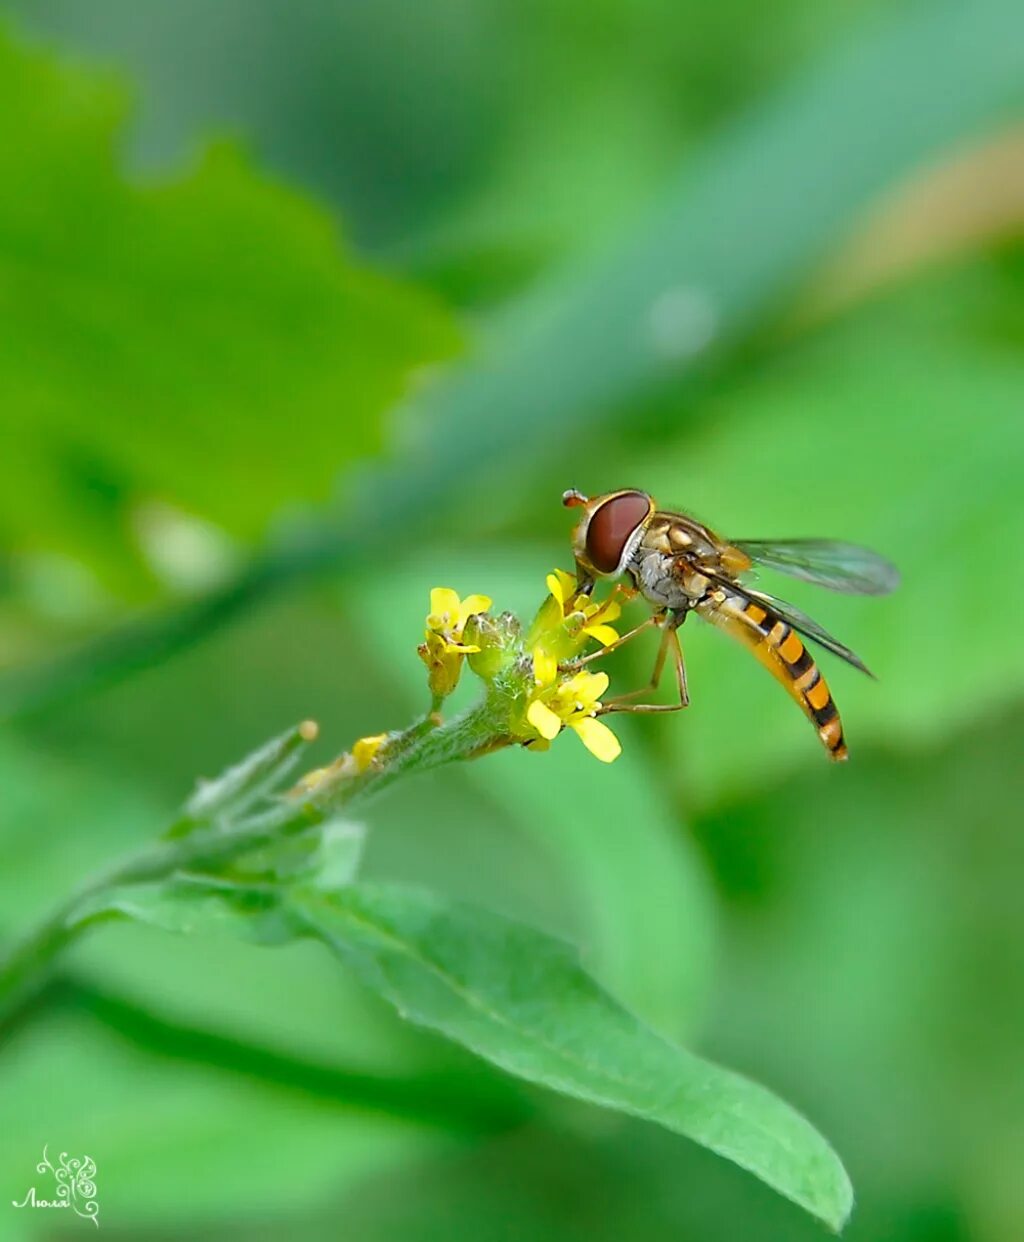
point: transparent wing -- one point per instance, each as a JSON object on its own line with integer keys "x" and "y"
{"x": 838, "y": 566}
{"x": 807, "y": 626}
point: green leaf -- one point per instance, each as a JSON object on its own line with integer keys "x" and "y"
{"x": 189, "y": 904}
{"x": 339, "y": 854}
{"x": 174, "y": 355}
{"x": 519, "y": 998}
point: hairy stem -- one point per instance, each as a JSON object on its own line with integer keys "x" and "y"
{"x": 426, "y": 744}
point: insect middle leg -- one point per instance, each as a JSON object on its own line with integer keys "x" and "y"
{"x": 669, "y": 641}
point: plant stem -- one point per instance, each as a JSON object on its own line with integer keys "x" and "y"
{"x": 26, "y": 966}
{"x": 481, "y": 726}
{"x": 426, "y": 744}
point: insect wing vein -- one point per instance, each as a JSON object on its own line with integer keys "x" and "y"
{"x": 845, "y": 567}
{"x": 810, "y": 628}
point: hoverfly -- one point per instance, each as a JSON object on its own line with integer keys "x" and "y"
{"x": 681, "y": 566}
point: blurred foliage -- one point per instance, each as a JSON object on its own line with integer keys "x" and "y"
{"x": 191, "y": 358}
{"x": 160, "y": 341}
{"x": 459, "y": 139}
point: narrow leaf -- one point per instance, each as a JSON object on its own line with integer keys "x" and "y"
{"x": 520, "y": 999}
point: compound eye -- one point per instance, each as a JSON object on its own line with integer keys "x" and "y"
{"x": 612, "y": 526}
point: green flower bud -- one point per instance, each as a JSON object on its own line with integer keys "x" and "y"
{"x": 498, "y": 642}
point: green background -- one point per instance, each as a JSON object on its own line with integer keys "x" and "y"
{"x": 306, "y": 308}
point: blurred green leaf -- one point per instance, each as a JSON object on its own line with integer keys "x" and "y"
{"x": 604, "y": 1184}
{"x": 200, "y": 349}
{"x": 182, "y": 1144}
{"x": 737, "y": 230}
{"x": 508, "y": 118}
{"x": 878, "y": 936}
{"x": 519, "y": 998}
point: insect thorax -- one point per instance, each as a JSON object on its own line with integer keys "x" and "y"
{"x": 665, "y": 564}
{"x": 665, "y": 582}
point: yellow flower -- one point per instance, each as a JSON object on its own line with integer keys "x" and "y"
{"x": 562, "y": 586}
{"x": 545, "y": 666}
{"x": 365, "y": 750}
{"x": 444, "y": 650}
{"x": 565, "y": 622}
{"x": 594, "y": 615}
{"x": 597, "y": 738}
{"x": 352, "y": 763}
{"x": 449, "y": 614}
{"x": 574, "y": 702}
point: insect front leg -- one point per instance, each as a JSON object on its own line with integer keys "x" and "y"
{"x": 656, "y": 619}
{"x": 669, "y": 642}
{"x": 585, "y": 582}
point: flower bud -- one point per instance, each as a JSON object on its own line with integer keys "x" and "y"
{"x": 497, "y": 639}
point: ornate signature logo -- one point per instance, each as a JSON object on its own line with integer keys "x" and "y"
{"x": 75, "y": 1186}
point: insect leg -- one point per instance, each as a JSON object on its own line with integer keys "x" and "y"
{"x": 684, "y": 693}
{"x": 584, "y": 582}
{"x": 655, "y": 619}
{"x": 670, "y": 639}
{"x": 652, "y": 685}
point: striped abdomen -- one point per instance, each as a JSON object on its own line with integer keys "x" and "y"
{"x": 781, "y": 650}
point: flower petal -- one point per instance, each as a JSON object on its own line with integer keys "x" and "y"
{"x": 562, "y": 586}
{"x": 587, "y": 687}
{"x": 545, "y": 667}
{"x": 366, "y": 748}
{"x": 555, "y": 587}
{"x": 443, "y": 600}
{"x": 604, "y": 634}
{"x": 309, "y": 782}
{"x": 549, "y": 617}
{"x": 597, "y": 738}
{"x": 470, "y": 606}
{"x": 543, "y": 719}
{"x": 608, "y": 611}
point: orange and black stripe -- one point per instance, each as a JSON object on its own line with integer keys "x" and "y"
{"x": 781, "y": 650}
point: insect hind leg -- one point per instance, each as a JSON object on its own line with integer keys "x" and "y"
{"x": 669, "y": 641}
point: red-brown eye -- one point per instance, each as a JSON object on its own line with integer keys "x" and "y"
{"x": 611, "y": 527}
